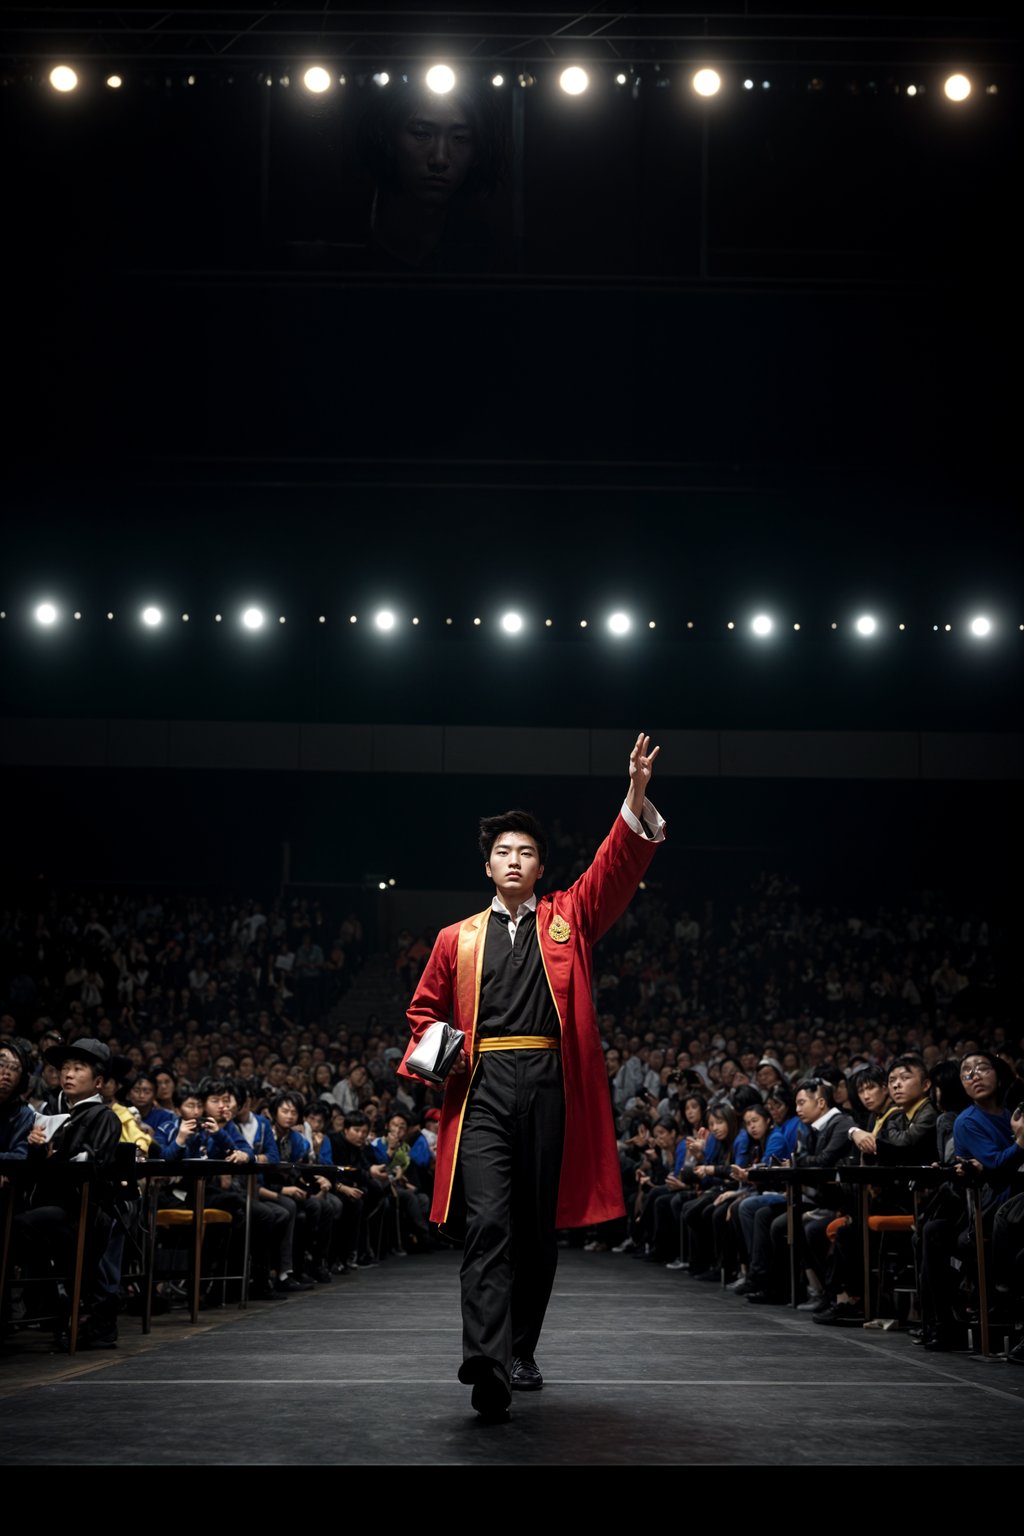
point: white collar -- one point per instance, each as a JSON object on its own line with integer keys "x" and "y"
{"x": 825, "y": 1118}
{"x": 94, "y": 1098}
{"x": 529, "y": 905}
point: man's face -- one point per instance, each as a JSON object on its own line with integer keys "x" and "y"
{"x": 907, "y": 1085}
{"x": 612, "y": 1062}
{"x": 357, "y": 1134}
{"x": 872, "y": 1096}
{"x": 514, "y": 866}
{"x": 663, "y": 1137}
{"x": 435, "y": 150}
{"x": 78, "y": 1079}
{"x": 277, "y": 1074}
{"x": 192, "y": 1108}
{"x": 809, "y": 1106}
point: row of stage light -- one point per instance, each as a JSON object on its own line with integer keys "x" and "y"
{"x": 620, "y": 624}
{"x": 574, "y": 80}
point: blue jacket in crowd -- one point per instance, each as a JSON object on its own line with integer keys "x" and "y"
{"x": 16, "y": 1120}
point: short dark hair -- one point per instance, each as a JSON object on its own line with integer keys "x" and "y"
{"x": 910, "y": 1061}
{"x": 818, "y": 1088}
{"x": 667, "y": 1124}
{"x": 871, "y": 1074}
{"x": 354, "y": 1119}
{"x": 287, "y": 1097}
{"x": 216, "y": 1086}
{"x": 186, "y": 1091}
{"x": 491, "y": 828}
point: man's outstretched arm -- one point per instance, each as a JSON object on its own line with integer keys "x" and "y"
{"x": 641, "y": 769}
{"x": 603, "y": 892}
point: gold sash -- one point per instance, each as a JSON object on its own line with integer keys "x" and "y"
{"x": 519, "y": 1043}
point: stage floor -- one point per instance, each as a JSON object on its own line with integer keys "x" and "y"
{"x": 642, "y": 1367}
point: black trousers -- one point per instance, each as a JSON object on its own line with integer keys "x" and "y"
{"x": 509, "y": 1162}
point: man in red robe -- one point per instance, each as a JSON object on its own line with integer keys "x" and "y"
{"x": 526, "y": 1142}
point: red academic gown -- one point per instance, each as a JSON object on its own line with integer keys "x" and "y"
{"x": 569, "y": 923}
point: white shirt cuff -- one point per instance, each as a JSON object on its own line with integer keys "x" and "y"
{"x": 652, "y": 828}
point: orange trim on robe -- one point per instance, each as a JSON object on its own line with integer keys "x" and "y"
{"x": 569, "y": 923}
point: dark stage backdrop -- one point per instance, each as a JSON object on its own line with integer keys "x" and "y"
{"x": 226, "y": 831}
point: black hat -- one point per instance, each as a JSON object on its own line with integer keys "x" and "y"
{"x": 92, "y": 1051}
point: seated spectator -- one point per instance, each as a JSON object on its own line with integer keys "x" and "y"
{"x": 394, "y": 1153}
{"x": 823, "y": 1143}
{"x": 984, "y": 1138}
{"x": 16, "y": 1117}
{"x": 166, "y": 1087}
{"x": 770, "y": 1073}
{"x": 316, "y": 1207}
{"x": 711, "y": 1177}
{"x": 142, "y": 1096}
{"x": 140, "y": 1136}
{"x": 362, "y": 1185}
{"x": 905, "y": 1135}
{"x": 657, "y": 1183}
{"x": 83, "y": 1130}
{"x": 871, "y": 1091}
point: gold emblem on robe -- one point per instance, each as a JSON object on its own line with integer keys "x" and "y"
{"x": 560, "y": 930}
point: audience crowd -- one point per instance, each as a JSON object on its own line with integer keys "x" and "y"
{"x": 744, "y": 1035}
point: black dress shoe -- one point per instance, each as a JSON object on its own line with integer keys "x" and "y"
{"x": 840, "y": 1313}
{"x": 525, "y": 1375}
{"x": 491, "y": 1392}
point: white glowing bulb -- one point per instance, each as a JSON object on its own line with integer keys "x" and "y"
{"x": 957, "y": 87}
{"x": 707, "y": 82}
{"x": 574, "y": 80}
{"x": 440, "y": 79}
{"x": 316, "y": 79}
{"x": 63, "y": 78}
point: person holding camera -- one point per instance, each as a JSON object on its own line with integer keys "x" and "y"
{"x": 394, "y": 1152}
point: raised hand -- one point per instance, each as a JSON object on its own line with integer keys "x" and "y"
{"x": 641, "y": 767}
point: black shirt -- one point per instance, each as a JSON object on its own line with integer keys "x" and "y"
{"x": 515, "y": 998}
